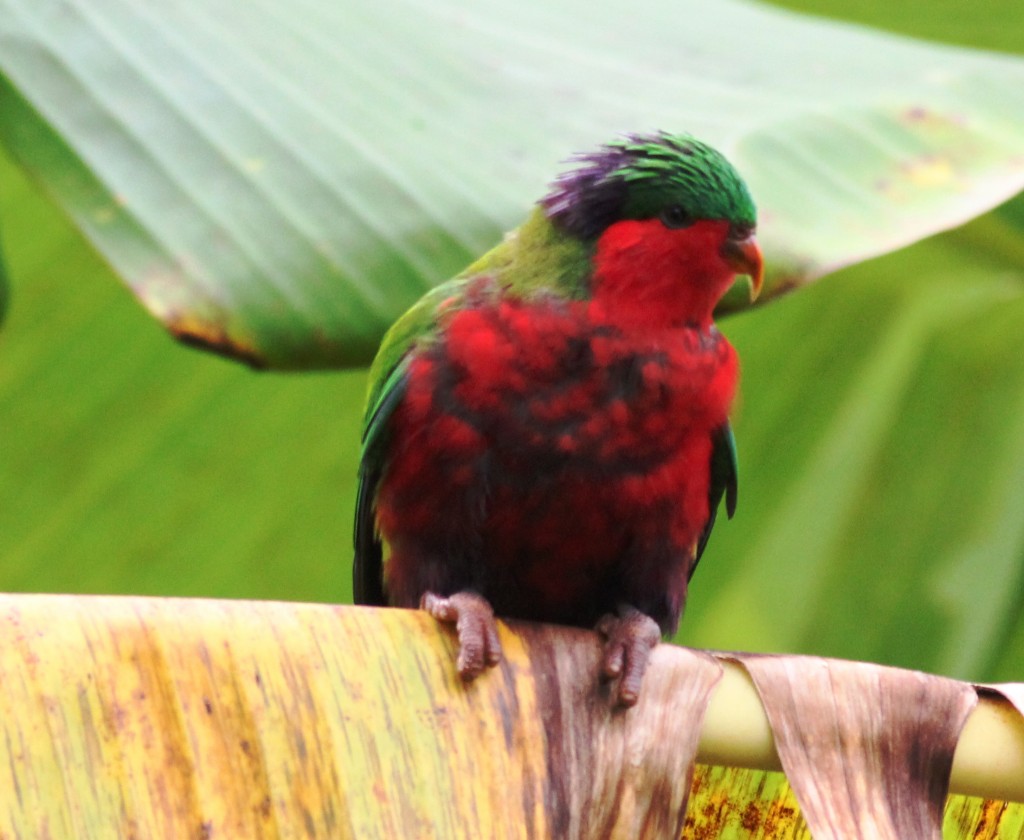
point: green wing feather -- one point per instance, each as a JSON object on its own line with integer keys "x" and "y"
{"x": 724, "y": 482}
{"x": 533, "y": 259}
{"x": 388, "y": 377}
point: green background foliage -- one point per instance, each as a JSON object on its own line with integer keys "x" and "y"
{"x": 881, "y": 442}
{"x": 130, "y": 464}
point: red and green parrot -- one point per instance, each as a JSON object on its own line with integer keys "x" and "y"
{"x": 547, "y": 435}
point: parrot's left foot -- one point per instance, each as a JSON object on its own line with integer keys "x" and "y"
{"x": 630, "y": 637}
{"x": 473, "y": 617}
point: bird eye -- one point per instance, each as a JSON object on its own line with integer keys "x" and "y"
{"x": 674, "y": 216}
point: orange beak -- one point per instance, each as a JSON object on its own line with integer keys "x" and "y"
{"x": 744, "y": 255}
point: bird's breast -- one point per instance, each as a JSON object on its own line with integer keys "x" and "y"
{"x": 553, "y": 447}
{"x": 550, "y": 382}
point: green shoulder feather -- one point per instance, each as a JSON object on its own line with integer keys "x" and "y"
{"x": 533, "y": 259}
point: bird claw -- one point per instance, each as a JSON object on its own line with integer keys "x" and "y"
{"x": 629, "y": 637}
{"x": 473, "y": 617}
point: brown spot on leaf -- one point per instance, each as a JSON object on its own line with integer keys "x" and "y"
{"x": 215, "y": 339}
{"x": 751, "y": 818}
{"x": 194, "y": 317}
{"x": 919, "y": 114}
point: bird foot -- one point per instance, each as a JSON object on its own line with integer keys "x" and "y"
{"x": 473, "y": 617}
{"x": 629, "y": 637}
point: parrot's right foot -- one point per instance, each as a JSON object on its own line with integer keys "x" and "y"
{"x": 473, "y": 617}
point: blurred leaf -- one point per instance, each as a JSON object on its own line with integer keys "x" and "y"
{"x": 130, "y": 465}
{"x": 881, "y": 454}
{"x": 3, "y": 286}
{"x": 972, "y": 598}
{"x": 741, "y": 804}
{"x": 992, "y": 24}
{"x": 279, "y": 186}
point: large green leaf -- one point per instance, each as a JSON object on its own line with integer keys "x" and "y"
{"x": 278, "y": 183}
{"x": 892, "y": 392}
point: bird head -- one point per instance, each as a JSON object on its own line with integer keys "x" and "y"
{"x": 671, "y": 221}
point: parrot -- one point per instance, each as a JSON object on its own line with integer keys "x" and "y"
{"x": 547, "y": 435}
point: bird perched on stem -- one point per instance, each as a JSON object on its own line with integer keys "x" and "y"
{"x": 547, "y": 435}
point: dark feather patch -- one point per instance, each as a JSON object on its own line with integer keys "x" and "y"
{"x": 587, "y": 200}
{"x": 368, "y": 568}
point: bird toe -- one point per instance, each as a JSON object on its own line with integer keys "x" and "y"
{"x": 473, "y": 617}
{"x": 630, "y": 637}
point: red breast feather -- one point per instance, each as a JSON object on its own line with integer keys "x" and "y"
{"x": 553, "y": 460}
